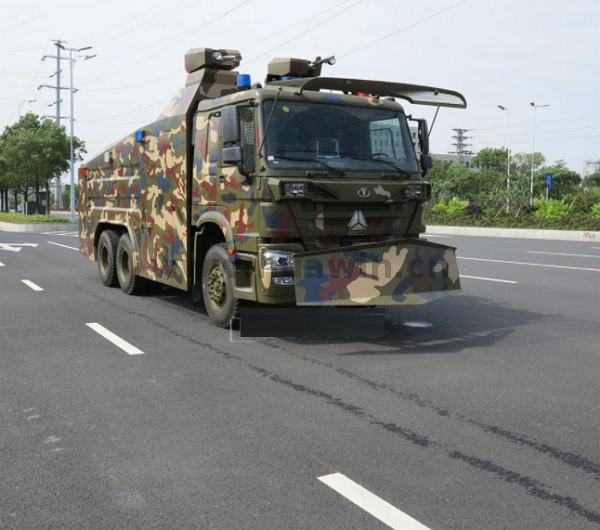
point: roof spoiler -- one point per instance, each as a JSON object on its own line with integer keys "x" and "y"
{"x": 416, "y": 94}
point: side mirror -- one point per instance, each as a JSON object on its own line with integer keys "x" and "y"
{"x": 423, "y": 136}
{"x": 426, "y": 163}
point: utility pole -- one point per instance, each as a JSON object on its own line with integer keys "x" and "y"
{"x": 73, "y": 90}
{"x": 60, "y": 46}
{"x": 508, "y": 168}
{"x": 535, "y": 107}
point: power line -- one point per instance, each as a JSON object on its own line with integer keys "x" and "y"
{"x": 528, "y": 124}
{"x": 4, "y": 30}
{"x": 295, "y": 25}
{"x": 305, "y": 32}
{"x": 195, "y": 30}
{"x": 145, "y": 23}
{"x": 115, "y": 27}
{"x": 551, "y": 131}
{"x": 25, "y": 10}
{"x": 163, "y": 101}
{"x": 403, "y": 29}
{"x": 178, "y": 73}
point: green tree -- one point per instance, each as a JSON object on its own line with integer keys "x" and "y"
{"x": 592, "y": 181}
{"x": 32, "y": 153}
{"x": 491, "y": 159}
{"x": 521, "y": 162}
{"x": 567, "y": 182}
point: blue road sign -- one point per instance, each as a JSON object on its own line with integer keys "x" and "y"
{"x": 549, "y": 180}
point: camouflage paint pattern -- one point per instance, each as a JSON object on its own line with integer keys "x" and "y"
{"x": 162, "y": 190}
{"x": 402, "y": 272}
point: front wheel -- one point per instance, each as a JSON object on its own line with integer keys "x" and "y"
{"x": 129, "y": 281}
{"x": 217, "y": 286}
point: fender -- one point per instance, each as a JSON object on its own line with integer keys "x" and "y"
{"x": 216, "y": 217}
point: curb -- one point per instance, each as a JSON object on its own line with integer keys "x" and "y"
{"x": 37, "y": 228}
{"x": 515, "y": 233}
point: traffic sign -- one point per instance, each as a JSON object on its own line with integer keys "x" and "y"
{"x": 549, "y": 180}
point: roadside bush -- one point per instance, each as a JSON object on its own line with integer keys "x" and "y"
{"x": 553, "y": 209}
{"x": 578, "y": 205}
{"x": 455, "y": 206}
{"x": 440, "y": 207}
{"x": 21, "y": 218}
{"x": 473, "y": 210}
{"x": 596, "y": 211}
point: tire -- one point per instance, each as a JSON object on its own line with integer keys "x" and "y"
{"x": 129, "y": 281}
{"x": 217, "y": 286}
{"x": 106, "y": 255}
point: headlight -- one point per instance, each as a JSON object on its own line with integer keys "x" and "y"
{"x": 413, "y": 191}
{"x": 294, "y": 189}
{"x": 276, "y": 260}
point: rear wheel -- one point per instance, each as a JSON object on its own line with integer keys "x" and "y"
{"x": 217, "y": 286}
{"x": 130, "y": 282}
{"x": 106, "y": 254}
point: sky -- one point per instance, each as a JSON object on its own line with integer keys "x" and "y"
{"x": 500, "y": 52}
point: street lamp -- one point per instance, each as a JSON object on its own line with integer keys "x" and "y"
{"x": 535, "y": 107}
{"x": 25, "y": 101}
{"x": 508, "y": 168}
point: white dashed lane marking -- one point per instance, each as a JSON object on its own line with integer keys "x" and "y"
{"x": 116, "y": 340}
{"x": 487, "y": 279}
{"x": 32, "y": 285}
{"x": 65, "y": 246}
{"x": 371, "y": 503}
{"x": 533, "y": 264}
{"x": 2, "y": 264}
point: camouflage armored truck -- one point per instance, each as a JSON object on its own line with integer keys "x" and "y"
{"x": 307, "y": 190}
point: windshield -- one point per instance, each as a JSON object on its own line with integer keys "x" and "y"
{"x": 337, "y": 138}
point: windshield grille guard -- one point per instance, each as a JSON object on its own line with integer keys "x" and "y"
{"x": 416, "y": 94}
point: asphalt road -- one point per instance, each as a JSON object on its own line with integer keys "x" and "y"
{"x": 479, "y": 411}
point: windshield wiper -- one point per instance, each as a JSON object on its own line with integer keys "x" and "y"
{"x": 300, "y": 159}
{"x": 364, "y": 157}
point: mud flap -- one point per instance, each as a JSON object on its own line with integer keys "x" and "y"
{"x": 398, "y": 272}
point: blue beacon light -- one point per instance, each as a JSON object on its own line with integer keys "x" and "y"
{"x": 244, "y": 81}
{"x": 139, "y": 136}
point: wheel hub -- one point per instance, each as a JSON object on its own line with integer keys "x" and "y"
{"x": 217, "y": 285}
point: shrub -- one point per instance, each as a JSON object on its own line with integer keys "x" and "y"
{"x": 596, "y": 211}
{"x": 578, "y": 205}
{"x": 440, "y": 207}
{"x": 553, "y": 209}
{"x": 455, "y": 206}
{"x": 473, "y": 210}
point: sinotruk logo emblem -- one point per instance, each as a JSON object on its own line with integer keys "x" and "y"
{"x": 358, "y": 224}
{"x": 363, "y": 193}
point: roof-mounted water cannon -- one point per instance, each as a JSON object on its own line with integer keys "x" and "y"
{"x": 198, "y": 58}
{"x": 287, "y": 68}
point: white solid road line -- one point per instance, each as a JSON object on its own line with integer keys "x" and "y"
{"x": 532, "y": 264}
{"x": 65, "y": 246}
{"x": 32, "y": 285}
{"x": 117, "y": 341}
{"x": 371, "y": 503}
{"x": 487, "y": 279}
{"x": 563, "y": 254}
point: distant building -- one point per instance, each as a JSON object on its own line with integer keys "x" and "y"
{"x": 453, "y": 158}
{"x": 590, "y": 167}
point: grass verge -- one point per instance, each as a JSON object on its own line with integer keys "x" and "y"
{"x": 22, "y": 219}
